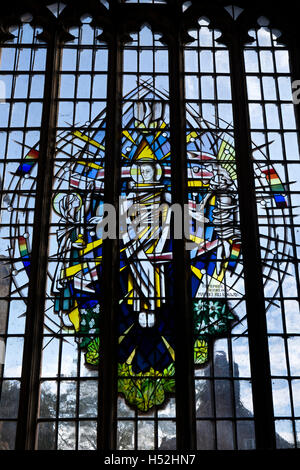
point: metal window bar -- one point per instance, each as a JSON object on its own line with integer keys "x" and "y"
{"x": 258, "y": 343}
{"x": 108, "y": 326}
{"x": 185, "y": 397}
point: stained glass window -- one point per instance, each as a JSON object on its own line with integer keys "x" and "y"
{"x": 22, "y": 70}
{"x": 222, "y": 375}
{"x": 275, "y": 161}
{"x": 69, "y": 386}
{"x": 146, "y": 328}
{"x": 139, "y": 160}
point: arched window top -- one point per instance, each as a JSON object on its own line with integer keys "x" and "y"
{"x": 205, "y": 35}
{"x": 84, "y": 35}
{"x": 24, "y": 33}
{"x": 264, "y": 35}
{"x": 145, "y": 38}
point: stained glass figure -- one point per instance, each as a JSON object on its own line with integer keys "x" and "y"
{"x": 146, "y": 338}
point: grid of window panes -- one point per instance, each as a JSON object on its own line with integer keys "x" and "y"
{"x": 22, "y": 66}
{"x": 276, "y": 165}
{"x": 224, "y": 409}
{"x": 69, "y": 377}
{"x": 69, "y": 385}
{"x": 145, "y": 125}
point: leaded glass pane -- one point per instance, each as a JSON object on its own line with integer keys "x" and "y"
{"x": 73, "y": 306}
{"x": 146, "y": 343}
{"x": 22, "y": 67}
{"x": 275, "y": 153}
{"x": 223, "y": 379}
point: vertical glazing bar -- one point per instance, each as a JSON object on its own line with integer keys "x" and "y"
{"x": 184, "y": 359}
{"x": 29, "y": 395}
{"x": 108, "y": 331}
{"x": 295, "y": 71}
{"x": 258, "y": 340}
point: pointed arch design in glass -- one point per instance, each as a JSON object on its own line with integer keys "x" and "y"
{"x": 56, "y": 8}
{"x": 275, "y": 150}
{"x": 222, "y": 375}
{"x": 22, "y": 69}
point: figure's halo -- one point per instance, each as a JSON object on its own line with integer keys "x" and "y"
{"x": 58, "y": 198}
{"x": 135, "y": 171}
